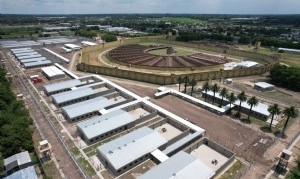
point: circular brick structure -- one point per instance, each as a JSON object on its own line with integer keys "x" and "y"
{"x": 138, "y": 55}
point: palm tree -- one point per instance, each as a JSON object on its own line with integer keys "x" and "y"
{"x": 242, "y": 97}
{"x": 193, "y": 82}
{"x": 215, "y": 88}
{"x": 231, "y": 98}
{"x": 290, "y": 112}
{"x": 253, "y": 101}
{"x": 186, "y": 81}
{"x": 274, "y": 110}
{"x": 205, "y": 88}
{"x": 223, "y": 93}
{"x": 179, "y": 82}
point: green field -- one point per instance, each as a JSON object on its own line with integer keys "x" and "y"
{"x": 184, "y": 20}
{"x": 286, "y": 58}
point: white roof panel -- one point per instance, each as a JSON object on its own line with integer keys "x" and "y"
{"x": 85, "y": 107}
{"x": 71, "y": 95}
{"x": 180, "y": 166}
{"x": 62, "y": 85}
{"x": 102, "y": 124}
{"x": 132, "y": 146}
{"x": 263, "y": 85}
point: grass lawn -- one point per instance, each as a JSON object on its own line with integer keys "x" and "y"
{"x": 184, "y": 20}
{"x": 233, "y": 171}
{"x": 286, "y": 58}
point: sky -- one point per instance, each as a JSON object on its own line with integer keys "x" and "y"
{"x": 150, "y": 6}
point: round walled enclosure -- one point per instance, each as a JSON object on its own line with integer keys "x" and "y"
{"x": 140, "y": 55}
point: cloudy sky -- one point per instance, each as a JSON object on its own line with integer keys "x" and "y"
{"x": 150, "y": 6}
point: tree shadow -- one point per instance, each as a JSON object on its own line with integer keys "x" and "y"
{"x": 266, "y": 129}
{"x": 245, "y": 120}
{"x": 278, "y": 133}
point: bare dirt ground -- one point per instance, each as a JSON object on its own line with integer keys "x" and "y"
{"x": 220, "y": 129}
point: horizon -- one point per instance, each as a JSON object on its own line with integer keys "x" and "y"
{"x": 81, "y": 7}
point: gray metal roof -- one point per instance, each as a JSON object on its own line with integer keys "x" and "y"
{"x": 102, "y": 124}
{"x": 26, "y": 173}
{"x": 71, "y": 95}
{"x": 21, "y": 158}
{"x": 26, "y": 54}
{"x": 33, "y": 60}
{"x": 23, "y": 52}
{"x": 180, "y": 166}
{"x": 130, "y": 147}
{"x": 20, "y": 49}
{"x": 181, "y": 142}
{"x": 29, "y": 56}
{"x": 85, "y": 107}
{"x": 62, "y": 85}
{"x": 31, "y": 64}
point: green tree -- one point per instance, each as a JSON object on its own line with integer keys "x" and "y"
{"x": 223, "y": 93}
{"x": 274, "y": 110}
{"x": 193, "y": 82}
{"x": 242, "y": 97}
{"x": 180, "y": 80}
{"x": 186, "y": 82}
{"x": 109, "y": 37}
{"x": 206, "y": 88}
{"x": 231, "y": 98}
{"x": 253, "y": 101}
{"x": 215, "y": 88}
{"x": 290, "y": 112}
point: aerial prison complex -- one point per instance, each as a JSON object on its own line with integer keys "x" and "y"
{"x": 98, "y": 109}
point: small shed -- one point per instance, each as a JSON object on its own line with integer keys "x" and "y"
{"x": 263, "y": 86}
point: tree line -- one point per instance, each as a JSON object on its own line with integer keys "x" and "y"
{"x": 186, "y": 37}
{"x": 285, "y": 76}
{"x": 274, "y": 109}
{"x": 15, "y": 122}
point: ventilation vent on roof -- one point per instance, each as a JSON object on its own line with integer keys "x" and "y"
{"x": 119, "y": 148}
{"x": 125, "y": 144}
{"x": 110, "y": 152}
{"x": 133, "y": 140}
{"x": 85, "y": 126}
{"x": 106, "y": 119}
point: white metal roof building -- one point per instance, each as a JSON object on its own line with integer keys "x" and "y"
{"x": 29, "y": 56}
{"x": 20, "y": 54}
{"x": 263, "y": 86}
{"x": 289, "y": 50}
{"x": 72, "y": 46}
{"x": 61, "y": 86}
{"x": 246, "y": 64}
{"x": 131, "y": 149}
{"x": 69, "y": 97}
{"x": 26, "y": 173}
{"x": 99, "y": 127}
{"x": 14, "y": 43}
{"x": 37, "y": 64}
{"x": 84, "y": 109}
{"x": 53, "y": 72}
{"x": 87, "y": 43}
{"x": 20, "y": 49}
{"x": 180, "y": 166}
{"x": 38, "y": 59}
{"x": 21, "y": 160}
